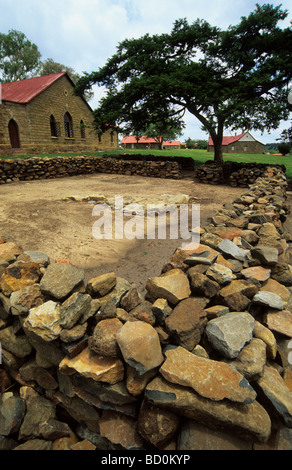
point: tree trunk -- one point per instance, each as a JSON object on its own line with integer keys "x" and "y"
{"x": 217, "y": 141}
{"x": 218, "y": 155}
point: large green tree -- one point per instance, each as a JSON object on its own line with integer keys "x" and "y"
{"x": 19, "y": 57}
{"x": 235, "y": 78}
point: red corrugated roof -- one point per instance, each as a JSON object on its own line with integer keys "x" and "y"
{"x": 23, "y": 91}
{"x": 130, "y": 139}
{"x": 228, "y": 139}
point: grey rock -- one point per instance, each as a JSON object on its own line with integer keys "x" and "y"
{"x": 268, "y": 299}
{"x": 36, "y": 256}
{"x": 279, "y": 395}
{"x": 265, "y": 254}
{"x": 39, "y": 410}
{"x": 35, "y": 444}
{"x": 227, "y": 247}
{"x": 221, "y": 332}
{"x": 12, "y": 411}
{"x": 73, "y": 308}
{"x": 16, "y": 344}
{"x": 60, "y": 279}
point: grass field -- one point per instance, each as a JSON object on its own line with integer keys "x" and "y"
{"x": 199, "y": 157}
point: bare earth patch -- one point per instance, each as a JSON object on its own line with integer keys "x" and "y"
{"x": 40, "y": 215}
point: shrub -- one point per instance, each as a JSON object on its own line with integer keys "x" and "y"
{"x": 284, "y": 148}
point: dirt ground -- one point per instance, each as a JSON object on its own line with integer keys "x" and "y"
{"x": 39, "y": 216}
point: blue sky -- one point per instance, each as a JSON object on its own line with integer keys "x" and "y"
{"x": 83, "y": 34}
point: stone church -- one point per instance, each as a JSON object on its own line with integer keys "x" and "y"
{"x": 42, "y": 115}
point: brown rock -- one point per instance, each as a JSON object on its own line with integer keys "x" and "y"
{"x": 172, "y": 286}
{"x": 281, "y": 272}
{"x": 287, "y": 377}
{"x": 226, "y": 232}
{"x": 74, "y": 334}
{"x": 19, "y": 275}
{"x": 237, "y": 302}
{"x": 251, "y": 360}
{"x": 5, "y": 380}
{"x": 156, "y": 425}
{"x": 161, "y": 310}
{"x": 185, "y": 323}
{"x": 31, "y": 371}
{"x": 215, "y": 311}
{"x": 83, "y": 445}
{"x": 103, "y": 341}
{"x": 54, "y": 429}
{"x": 248, "y": 421}
{"x": 280, "y": 322}
{"x": 144, "y": 312}
{"x": 176, "y": 261}
{"x": 130, "y": 300}
{"x": 211, "y": 379}
{"x": 263, "y": 333}
{"x": 195, "y": 436}
{"x": 256, "y": 273}
{"x": 275, "y": 287}
{"x": 9, "y": 251}
{"x": 90, "y": 365}
{"x": 120, "y": 430}
{"x": 140, "y": 346}
{"x": 136, "y": 383}
{"x": 65, "y": 443}
{"x": 246, "y": 288}
{"x": 224, "y": 262}
{"x": 102, "y": 285}
{"x": 202, "y": 285}
{"x": 24, "y": 299}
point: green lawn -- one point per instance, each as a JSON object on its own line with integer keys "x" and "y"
{"x": 199, "y": 156}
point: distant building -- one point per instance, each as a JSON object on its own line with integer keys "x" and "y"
{"x": 42, "y": 115}
{"x": 242, "y": 143}
{"x": 130, "y": 142}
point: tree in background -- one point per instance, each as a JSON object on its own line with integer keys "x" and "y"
{"x": 284, "y": 148}
{"x": 19, "y": 58}
{"x": 233, "y": 79}
{"x": 49, "y": 66}
{"x": 161, "y": 129}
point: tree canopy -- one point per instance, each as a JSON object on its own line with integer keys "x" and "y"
{"x": 19, "y": 57}
{"x": 49, "y": 66}
{"x": 235, "y": 78}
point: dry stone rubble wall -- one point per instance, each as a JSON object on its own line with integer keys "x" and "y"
{"x": 200, "y": 363}
{"x": 13, "y": 170}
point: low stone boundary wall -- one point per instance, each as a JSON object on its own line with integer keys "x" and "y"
{"x": 232, "y": 173}
{"x": 201, "y": 363}
{"x": 57, "y": 167}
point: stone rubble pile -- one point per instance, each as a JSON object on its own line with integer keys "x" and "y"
{"x": 200, "y": 363}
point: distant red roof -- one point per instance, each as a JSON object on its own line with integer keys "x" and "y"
{"x": 228, "y": 139}
{"x": 130, "y": 139}
{"x": 23, "y": 91}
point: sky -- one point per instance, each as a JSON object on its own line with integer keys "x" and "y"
{"x": 83, "y": 34}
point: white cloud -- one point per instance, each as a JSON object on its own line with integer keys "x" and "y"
{"x": 84, "y": 34}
